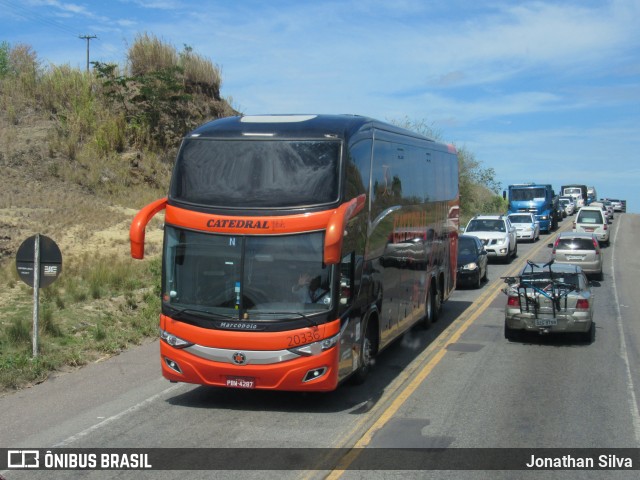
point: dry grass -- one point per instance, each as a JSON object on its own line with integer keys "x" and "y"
{"x": 148, "y": 54}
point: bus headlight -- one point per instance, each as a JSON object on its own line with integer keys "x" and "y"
{"x": 316, "y": 348}
{"x": 174, "y": 341}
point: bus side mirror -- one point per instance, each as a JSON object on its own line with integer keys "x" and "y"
{"x": 140, "y": 221}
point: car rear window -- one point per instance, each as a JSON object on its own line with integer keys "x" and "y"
{"x": 466, "y": 246}
{"x": 576, "y": 244}
{"x": 589, "y": 216}
{"x": 486, "y": 225}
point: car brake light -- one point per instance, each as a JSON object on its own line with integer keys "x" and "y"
{"x": 513, "y": 301}
{"x": 582, "y": 304}
{"x": 596, "y": 245}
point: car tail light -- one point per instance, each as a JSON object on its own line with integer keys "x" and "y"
{"x": 596, "y": 245}
{"x": 555, "y": 245}
{"x": 605, "y": 226}
{"x": 582, "y": 304}
{"x": 513, "y": 301}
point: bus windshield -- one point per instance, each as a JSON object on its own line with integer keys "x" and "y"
{"x": 257, "y": 173}
{"x": 246, "y": 277}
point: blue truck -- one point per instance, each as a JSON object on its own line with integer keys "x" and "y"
{"x": 538, "y": 199}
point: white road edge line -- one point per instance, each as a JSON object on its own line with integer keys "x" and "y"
{"x": 113, "y": 418}
{"x": 635, "y": 412}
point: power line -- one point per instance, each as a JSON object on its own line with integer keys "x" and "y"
{"x": 30, "y": 15}
{"x": 88, "y": 39}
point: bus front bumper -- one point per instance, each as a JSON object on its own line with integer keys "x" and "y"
{"x": 267, "y": 370}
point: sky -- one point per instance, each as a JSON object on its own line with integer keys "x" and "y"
{"x": 544, "y": 91}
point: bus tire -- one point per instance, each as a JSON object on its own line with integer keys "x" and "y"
{"x": 437, "y": 302}
{"x": 429, "y": 309}
{"x": 367, "y": 349}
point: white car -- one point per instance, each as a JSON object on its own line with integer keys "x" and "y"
{"x": 568, "y": 204}
{"x": 605, "y": 210}
{"x": 593, "y": 220}
{"x": 609, "y": 205}
{"x": 527, "y": 228}
{"x": 496, "y": 234}
{"x": 617, "y": 205}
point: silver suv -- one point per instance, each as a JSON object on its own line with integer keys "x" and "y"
{"x": 496, "y": 233}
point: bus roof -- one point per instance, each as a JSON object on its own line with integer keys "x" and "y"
{"x": 294, "y": 126}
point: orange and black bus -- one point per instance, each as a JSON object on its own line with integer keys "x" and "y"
{"x": 297, "y": 247}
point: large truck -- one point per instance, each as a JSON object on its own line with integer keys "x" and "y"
{"x": 579, "y": 193}
{"x": 539, "y": 199}
{"x": 592, "y": 195}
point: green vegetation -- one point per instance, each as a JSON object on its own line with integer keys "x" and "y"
{"x": 98, "y": 307}
{"x": 479, "y": 189}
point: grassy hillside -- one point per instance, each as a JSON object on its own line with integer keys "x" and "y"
{"x": 79, "y": 154}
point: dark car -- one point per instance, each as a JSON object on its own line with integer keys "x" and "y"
{"x": 472, "y": 261}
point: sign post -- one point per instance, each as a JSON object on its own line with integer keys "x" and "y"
{"x": 39, "y": 263}
{"x": 36, "y": 293}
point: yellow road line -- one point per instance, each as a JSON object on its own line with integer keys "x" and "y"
{"x": 450, "y": 335}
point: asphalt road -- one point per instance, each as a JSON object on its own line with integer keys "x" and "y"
{"x": 458, "y": 385}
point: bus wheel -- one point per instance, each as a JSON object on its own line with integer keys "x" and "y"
{"x": 430, "y": 307}
{"x": 366, "y": 355}
{"x": 437, "y": 303}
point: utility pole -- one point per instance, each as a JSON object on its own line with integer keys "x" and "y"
{"x": 87, "y": 38}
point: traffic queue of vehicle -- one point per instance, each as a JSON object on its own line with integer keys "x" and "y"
{"x": 552, "y": 297}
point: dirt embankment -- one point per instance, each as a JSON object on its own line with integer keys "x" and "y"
{"x": 34, "y": 200}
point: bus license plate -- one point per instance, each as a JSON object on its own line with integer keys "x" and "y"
{"x": 546, "y": 322}
{"x": 241, "y": 382}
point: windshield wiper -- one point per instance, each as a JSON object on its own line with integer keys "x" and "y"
{"x": 312, "y": 322}
{"x": 179, "y": 314}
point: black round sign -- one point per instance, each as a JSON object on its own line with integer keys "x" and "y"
{"x": 50, "y": 261}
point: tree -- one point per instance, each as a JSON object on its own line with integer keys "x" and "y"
{"x": 479, "y": 189}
